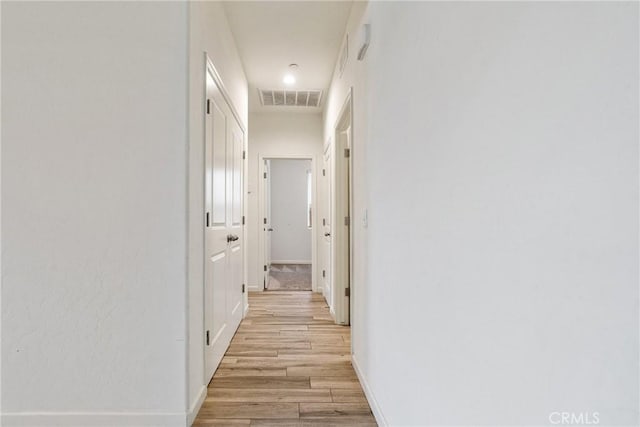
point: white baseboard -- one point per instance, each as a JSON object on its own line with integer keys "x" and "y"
{"x": 197, "y": 404}
{"x": 290, "y": 262}
{"x": 255, "y": 288}
{"x": 373, "y": 403}
{"x": 93, "y": 419}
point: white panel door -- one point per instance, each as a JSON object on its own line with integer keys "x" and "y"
{"x": 326, "y": 206}
{"x": 267, "y": 226}
{"x": 223, "y": 288}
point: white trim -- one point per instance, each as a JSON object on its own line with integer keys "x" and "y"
{"x": 315, "y": 287}
{"x": 94, "y": 419}
{"x": 288, "y": 261}
{"x": 197, "y": 404}
{"x": 373, "y": 403}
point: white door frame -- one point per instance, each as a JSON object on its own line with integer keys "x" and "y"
{"x": 210, "y": 69}
{"x": 314, "y": 218}
{"x": 342, "y": 238}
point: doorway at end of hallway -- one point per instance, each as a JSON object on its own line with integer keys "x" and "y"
{"x": 288, "y": 224}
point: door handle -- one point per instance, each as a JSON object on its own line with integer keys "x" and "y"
{"x": 327, "y": 234}
{"x": 269, "y": 229}
{"x": 232, "y": 238}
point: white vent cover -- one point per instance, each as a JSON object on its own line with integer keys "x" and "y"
{"x": 290, "y": 98}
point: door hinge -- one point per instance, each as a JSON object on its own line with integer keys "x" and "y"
{"x": 346, "y": 220}
{"x": 265, "y": 175}
{"x": 265, "y": 220}
{"x": 324, "y": 273}
{"x": 208, "y": 106}
{"x": 347, "y": 152}
{"x": 208, "y": 216}
{"x": 324, "y": 221}
{"x": 265, "y": 268}
{"x": 243, "y": 288}
{"x": 324, "y": 172}
{"x": 207, "y": 337}
{"x": 242, "y": 219}
{"x": 244, "y": 155}
{"x": 347, "y": 292}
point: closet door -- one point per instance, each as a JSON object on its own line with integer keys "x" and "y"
{"x": 223, "y": 287}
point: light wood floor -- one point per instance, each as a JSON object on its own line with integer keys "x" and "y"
{"x": 288, "y": 365}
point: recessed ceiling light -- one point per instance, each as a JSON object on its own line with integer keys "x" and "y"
{"x": 289, "y": 79}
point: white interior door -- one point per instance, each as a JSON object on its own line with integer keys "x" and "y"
{"x": 223, "y": 287}
{"x": 268, "y": 227}
{"x": 342, "y": 223}
{"x": 326, "y": 206}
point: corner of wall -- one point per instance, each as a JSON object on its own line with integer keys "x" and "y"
{"x": 210, "y": 33}
{"x": 373, "y": 403}
{"x": 196, "y": 405}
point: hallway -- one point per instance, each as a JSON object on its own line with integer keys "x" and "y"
{"x": 462, "y": 185}
{"x": 288, "y": 364}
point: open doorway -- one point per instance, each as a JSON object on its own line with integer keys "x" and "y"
{"x": 288, "y": 224}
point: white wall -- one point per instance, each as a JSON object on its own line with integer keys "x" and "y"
{"x": 290, "y": 238}
{"x": 355, "y": 76}
{"x": 273, "y": 135}
{"x": 502, "y": 150}
{"x": 208, "y": 32}
{"x": 93, "y": 213}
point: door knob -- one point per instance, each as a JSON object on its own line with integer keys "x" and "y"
{"x": 327, "y": 234}
{"x": 232, "y": 238}
{"x": 269, "y": 229}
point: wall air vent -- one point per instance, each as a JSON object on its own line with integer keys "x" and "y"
{"x": 290, "y": 98}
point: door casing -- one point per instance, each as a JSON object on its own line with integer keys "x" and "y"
{"x": 263, "y": 211}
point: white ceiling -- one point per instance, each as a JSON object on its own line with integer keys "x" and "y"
{"x": 270, "y": 35}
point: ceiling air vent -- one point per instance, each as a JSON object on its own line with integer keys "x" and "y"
{"x": 290, "y": 98}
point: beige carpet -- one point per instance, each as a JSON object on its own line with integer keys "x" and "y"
{"x": 290, "y": 277}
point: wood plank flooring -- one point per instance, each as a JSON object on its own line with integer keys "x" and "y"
{"x": 288, "y": 365}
